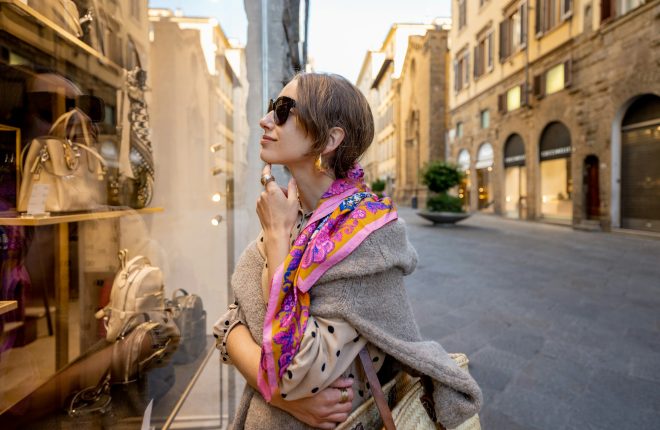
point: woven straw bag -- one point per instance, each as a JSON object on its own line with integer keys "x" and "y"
{"x": 404, "y": 395}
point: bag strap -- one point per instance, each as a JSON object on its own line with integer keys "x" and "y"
{"x": 376, "y": 390}
{"x": 180, "y": 290}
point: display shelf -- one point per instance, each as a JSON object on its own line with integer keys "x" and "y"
{"x": 42, "y": 20}
{"x": 7, "y": 306}
{"x": 76, "y": 217}
{"x": 61, "y": 245}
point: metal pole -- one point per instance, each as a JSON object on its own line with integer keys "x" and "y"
{"x": 264, "y": 55}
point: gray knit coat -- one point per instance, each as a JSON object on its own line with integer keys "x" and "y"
{"x": 366, "y": 289}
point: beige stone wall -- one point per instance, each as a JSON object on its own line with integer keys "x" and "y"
{"x": 611, "y": 66}
{"x": 422, "y": 112}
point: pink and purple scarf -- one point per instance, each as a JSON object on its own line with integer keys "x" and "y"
{"x": 346, "y": 214}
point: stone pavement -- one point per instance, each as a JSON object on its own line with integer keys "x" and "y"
{"x": 562, "y": 327}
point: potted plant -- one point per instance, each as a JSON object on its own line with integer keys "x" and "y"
{"x": 378, "y": 187}
{"x": 442, "y": 208}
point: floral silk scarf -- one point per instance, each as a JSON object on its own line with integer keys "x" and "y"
{"x": 346, "y": 214}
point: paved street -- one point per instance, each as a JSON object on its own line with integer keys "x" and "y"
{"x": 562, "y": 327}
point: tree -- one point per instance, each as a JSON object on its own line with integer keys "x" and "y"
{"x": 440, "y": 176}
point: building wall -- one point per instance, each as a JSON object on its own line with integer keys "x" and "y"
{"x": 380, "y": 73}
{"x": 611, "y": 65}
{"x": 422, "y": 112}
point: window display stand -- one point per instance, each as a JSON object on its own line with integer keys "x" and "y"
{"x": 62, "y": 256}
{"x": 8, "y": 306}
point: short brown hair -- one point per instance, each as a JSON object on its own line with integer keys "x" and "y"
{"x": 325, "y": 101}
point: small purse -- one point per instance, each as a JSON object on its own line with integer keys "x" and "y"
{"x": 149, "y": 344}
{"x": 405, "y": 402}
{"x": 74, "y": 170}
{"x": 190, "y": 316}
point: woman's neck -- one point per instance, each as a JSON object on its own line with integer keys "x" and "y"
{"x": 311, "y": 185}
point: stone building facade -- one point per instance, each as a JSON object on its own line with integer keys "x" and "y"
{"x": 564, "y": 128}
{"x": 422, "y": 112}
{"x": 381, "y": 78}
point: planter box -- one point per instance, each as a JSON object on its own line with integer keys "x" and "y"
{"x": 443, "y": 217}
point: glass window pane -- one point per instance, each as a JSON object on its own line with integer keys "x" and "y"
{"x": 554, "y": 79}
{"x": 513, "y": 98}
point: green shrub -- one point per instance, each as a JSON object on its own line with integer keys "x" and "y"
{"x": 440, "y": 176}
{"x": 444, "y": 203}
{"x": 378, "y": 186}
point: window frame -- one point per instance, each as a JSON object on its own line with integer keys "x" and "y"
{"x": 462, "y": 14}
{"x": 508, "y": 30}
{"x": 483, "y": 59}
{"x": 482, "y": 116}
{"x": 462, "y": 70}
{"x": 546, "y": 10}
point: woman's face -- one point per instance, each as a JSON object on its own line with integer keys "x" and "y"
{"x": 287, "y": 143}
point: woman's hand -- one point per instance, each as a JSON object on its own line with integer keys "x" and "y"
{"x": 324, "y": 409}
{"x": 277, "y": 210}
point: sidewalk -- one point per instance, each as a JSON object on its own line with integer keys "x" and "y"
{"x": 562, "y": 327}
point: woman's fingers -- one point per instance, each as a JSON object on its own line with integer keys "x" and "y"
{"x": 342, "y": 382}
{"x": 266, "y": 170}
{"x": 338, "y": 417}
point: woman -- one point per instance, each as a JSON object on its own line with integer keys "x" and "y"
{"x": 324, "y": 278}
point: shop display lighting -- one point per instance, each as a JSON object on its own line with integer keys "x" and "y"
{"x": 216, "y": 220}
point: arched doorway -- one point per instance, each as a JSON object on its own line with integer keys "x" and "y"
{"x": 484, "y": 167}
{"x": 515, "y": 178}
{"x": 464, "y": 186}
{"x": 591, "y": 187}
{"x": 640, "y": 165}
{"x": 555, "y": 166}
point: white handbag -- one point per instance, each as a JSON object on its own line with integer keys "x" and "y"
{"x": 138, "y": 288}
{"x": 73, "y": 169}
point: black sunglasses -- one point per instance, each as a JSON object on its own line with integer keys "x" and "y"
{"x": 282, "y": 106}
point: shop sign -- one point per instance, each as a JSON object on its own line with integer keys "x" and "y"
{"x": 555, "y": 152}
{"x": 514, "y": 160}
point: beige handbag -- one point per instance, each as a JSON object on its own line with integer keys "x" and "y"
{"x": 74, "y": 170}
{"x": 407, "y": 397}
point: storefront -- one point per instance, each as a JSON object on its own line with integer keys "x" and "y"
{"x": 515, "y": 178}
{"x": 555, "y": 168}
{"x": 640, "y": 165}
{"x": 73, "y": 107}
{"x": 464, "y": 186}
{"x": 484, "y": 168}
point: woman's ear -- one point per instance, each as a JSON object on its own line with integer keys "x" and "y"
{"x": 335, "y": 138}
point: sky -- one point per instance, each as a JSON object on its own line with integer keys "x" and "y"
{"x": 340, "y": 31}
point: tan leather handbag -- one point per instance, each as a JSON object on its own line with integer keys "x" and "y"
{"x": 68, "y": 163}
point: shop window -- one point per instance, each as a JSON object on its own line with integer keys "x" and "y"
{"x": 515, "y": 178}
{"x": 551, "y": 13}
{"x": 484, "y": 167}
{"x": 556, "y": 180}
{"x": 513, "y": 32}
{"x": 464, "y": 186}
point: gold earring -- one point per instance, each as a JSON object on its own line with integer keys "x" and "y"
{"x": 319, "y": 163}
